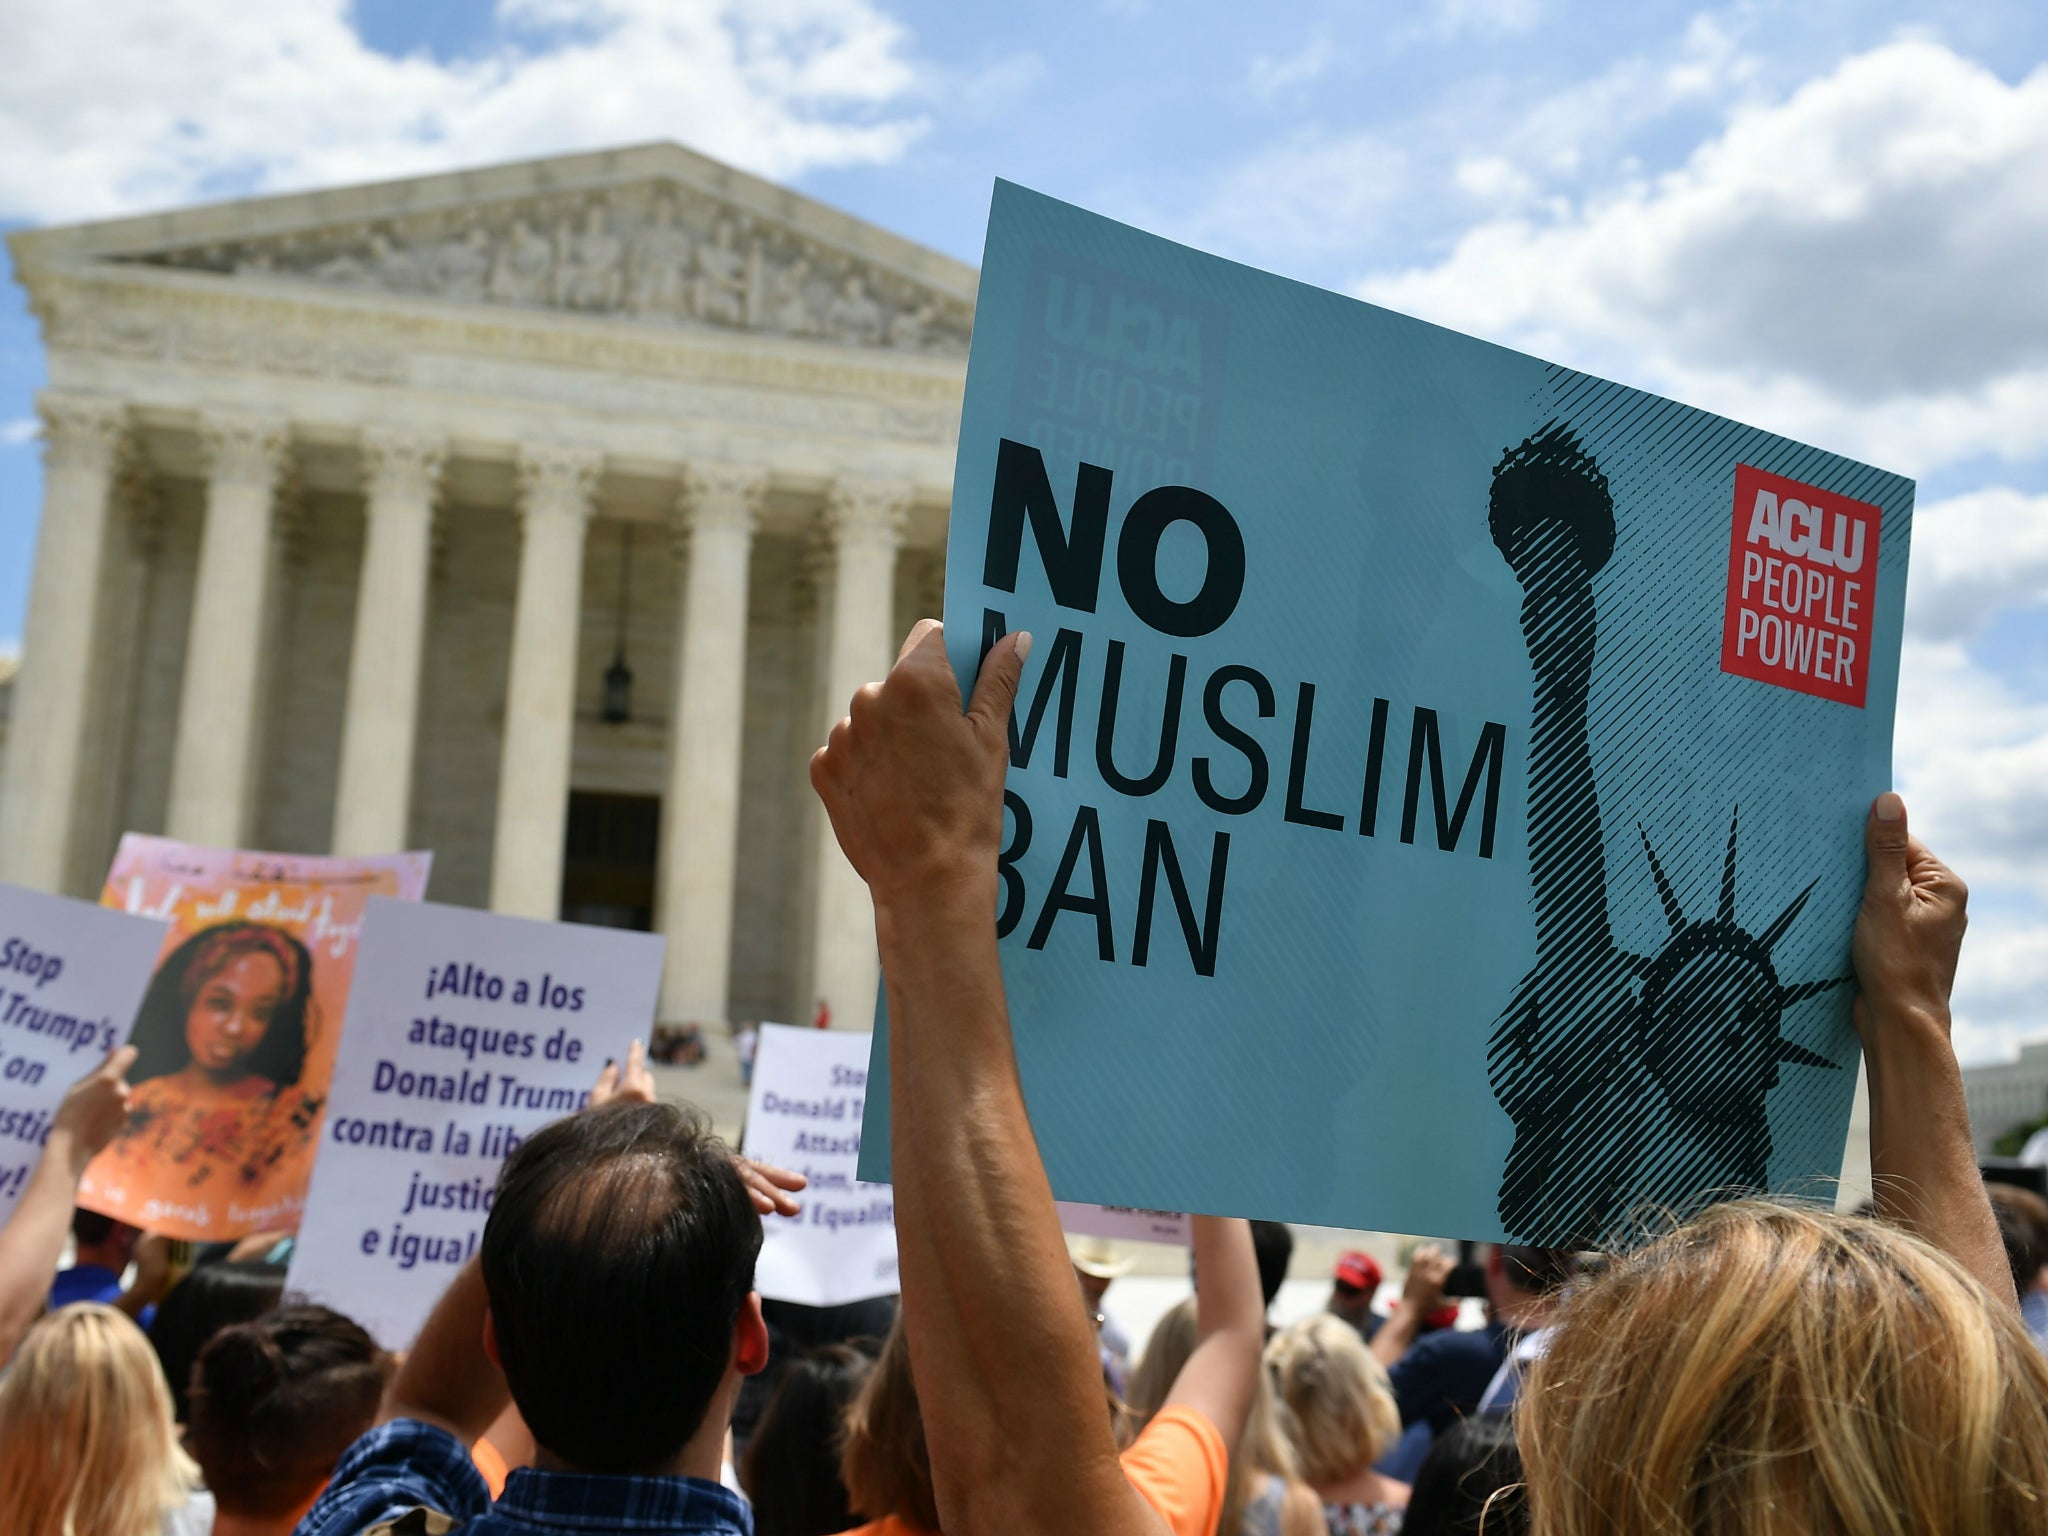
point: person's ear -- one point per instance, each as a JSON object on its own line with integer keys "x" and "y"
{"x": 491, "y": 1341}
{"x": 750, "y": 1337}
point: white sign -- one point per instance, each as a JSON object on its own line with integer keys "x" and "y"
{"x": 466, "y": 1033}
{"x": 810, "y": 1087}
{"x": 1124, "y": 1223}
{"x": 71, "y": 977}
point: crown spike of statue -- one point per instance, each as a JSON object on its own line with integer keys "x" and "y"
{"x": 1766, "y": 941}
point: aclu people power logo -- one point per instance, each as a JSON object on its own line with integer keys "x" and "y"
{"x": 1802, "y": 576}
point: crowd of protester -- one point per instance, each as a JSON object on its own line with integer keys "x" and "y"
{"x": 605, "y": 1365}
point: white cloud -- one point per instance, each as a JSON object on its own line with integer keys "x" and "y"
{"x": 1328, "y": 194}
{"x": 1576, "y": 129}
{"x": 1494, "y": 179}
{"x": 22, "y": 429}
{"x": 1972, "y": 556}
{"x": 1486, "y": 17}
{"x": 1970, "y": 755}
{"x": 1306, "y": 197}
{"x": 1999, "y": 987}
{"x": 1270, "y": 76}
{"x": 1858, "y": 264}
{"x": 127, "y": 104}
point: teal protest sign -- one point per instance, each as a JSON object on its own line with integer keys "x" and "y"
{"x": 1437, "y": 786}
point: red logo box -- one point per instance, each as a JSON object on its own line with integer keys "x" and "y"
{"x": 1802, "y": 577}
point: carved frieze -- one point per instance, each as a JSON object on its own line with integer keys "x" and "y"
{"x": 659, "y": 252}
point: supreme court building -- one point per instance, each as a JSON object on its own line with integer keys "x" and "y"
{"x": 543, "y": 516}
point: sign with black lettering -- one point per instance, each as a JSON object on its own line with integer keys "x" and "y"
{"x": 1421, "y": 815}
{"x": 466, "y": 1033}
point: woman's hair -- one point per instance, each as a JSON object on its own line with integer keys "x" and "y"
{"x": 2023, "y": 1229}
{"x": 884, "y": 1463}
{"x": 1335, "y": 1403}
{"x": 1470, "y": 1483}
{"x": 87, "y": 1445}
{"x": 1770, "y": 1370}
{"x": 1263, "y": 1447}
{"x": 1173, "y": 1339}
{"x": 791, "y": 1470}
{"x": 276, "y": 1401}
{"x": 199, "y": 1306}
{"x": 159, "y": 1033}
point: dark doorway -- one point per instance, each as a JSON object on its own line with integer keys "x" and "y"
{"x": 608, "y": 860}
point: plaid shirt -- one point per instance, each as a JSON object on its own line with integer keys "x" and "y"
{"x": 405, "y": 1465}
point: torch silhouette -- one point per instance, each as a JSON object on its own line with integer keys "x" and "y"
{"x": 1633, "y": 1081}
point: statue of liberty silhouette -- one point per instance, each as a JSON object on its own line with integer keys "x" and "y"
{"x": 1634, "y": 1081}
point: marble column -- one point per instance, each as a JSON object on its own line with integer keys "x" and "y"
{"x": 40, "y": 806}
{"x": 865, "y": 523}
{"x": 700, "y": 810}
{"x": 213, "y": 757}
{"x": 401, "y": 474}
{"x": 555, "y": 490}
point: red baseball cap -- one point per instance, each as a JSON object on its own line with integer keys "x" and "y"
{"x": 1358, "y": 1271}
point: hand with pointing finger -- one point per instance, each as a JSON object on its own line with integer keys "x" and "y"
{"x": 633, "y": 1084}
{"x": 914, "y": 787}
{"x": 94, "y": 1109}
{"x": 770, "y": 1188}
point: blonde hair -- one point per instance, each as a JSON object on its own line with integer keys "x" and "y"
{"x": 88, "y": 1446}
{"x": 1262, "y": 1450}
{"x": 1173, "y": 1340}
{"x": 1336, "y": 1405}
{"x": 1769, "y": 1370}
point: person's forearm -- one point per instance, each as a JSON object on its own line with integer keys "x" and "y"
{"x": 1923, "y": 1166}
{"x": 1393, "y": 1337}
{"x": 1006, "y": 1368}
{"x": 447, "y": 1379}
{"x": 1222, "y": 1374}
{"x": 1227, "y": 1295}
{"x": 134, "y": 1301}
{"x": 32, "y": 1242}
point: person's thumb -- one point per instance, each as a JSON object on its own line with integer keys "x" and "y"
{"x": 995, "y": 690}
{"x": 117, "y": 1064}
{"x": 1885, "y": 840}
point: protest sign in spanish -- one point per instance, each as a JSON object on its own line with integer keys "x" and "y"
{"x": 804, "y": 1112}
{"x": 467, "y": 1032}
{"x": 237, "y": 1032}
{"x": 71, "y": 977}
{"x": 1437, "y": 787}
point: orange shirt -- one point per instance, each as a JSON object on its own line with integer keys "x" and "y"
{"x": 490, "y": 1462}
{"x": 1177, "y": 1463}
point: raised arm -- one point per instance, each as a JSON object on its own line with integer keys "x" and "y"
{"x": 1222, "y": 1374}
{"x": 1421, "y": 1294}
{"x": 1006, "y": 1368}
{"x": 32, "y": 1242}
{"x": 448, "y": 1378}
{"x": 1923, "y": 1166}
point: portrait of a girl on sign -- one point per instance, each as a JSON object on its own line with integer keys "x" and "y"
{"x": 236, "y": 1036}
{"x": 221, "y": 1040}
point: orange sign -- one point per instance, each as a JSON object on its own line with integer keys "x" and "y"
{"x": 237, "y": 1032}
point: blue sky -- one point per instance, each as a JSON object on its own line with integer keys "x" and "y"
{"x": 1824, "y": 217}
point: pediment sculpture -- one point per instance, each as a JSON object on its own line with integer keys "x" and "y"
{"x": 661, "y": 253}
